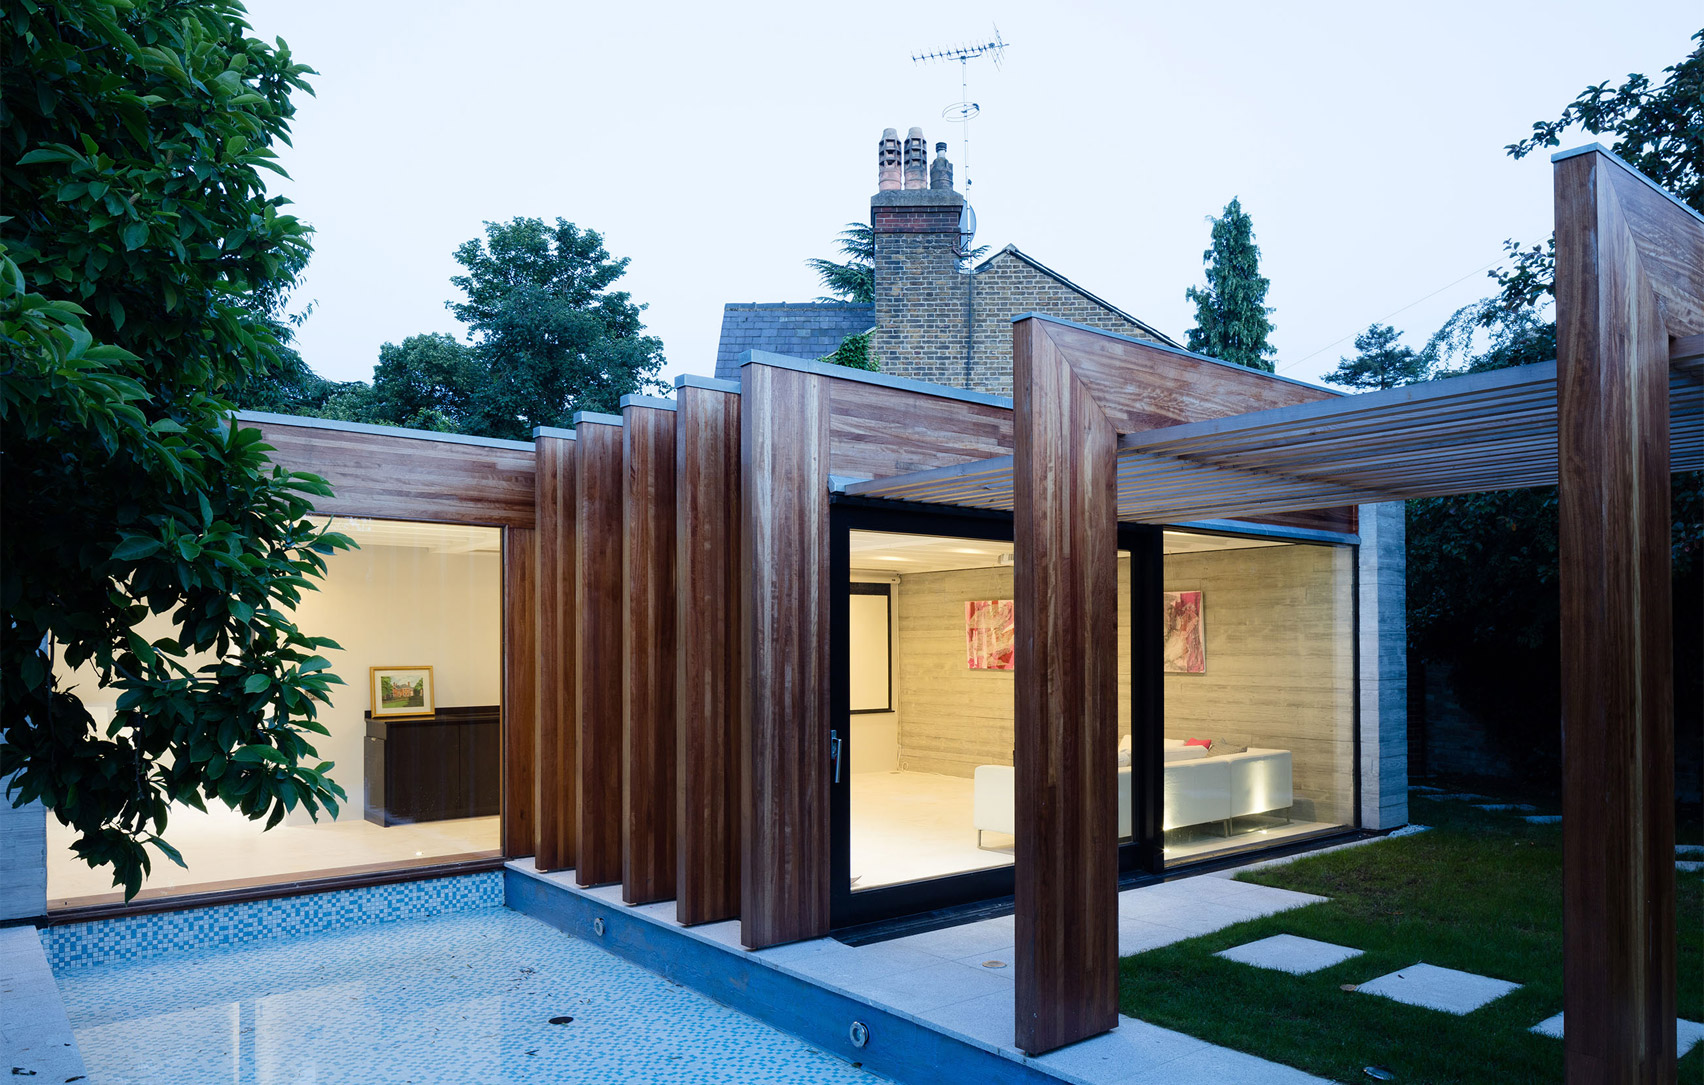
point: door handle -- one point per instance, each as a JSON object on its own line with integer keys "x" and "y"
{"x": 834, "y": 745}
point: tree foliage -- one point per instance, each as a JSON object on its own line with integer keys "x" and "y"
{"x": 143, "y": 264}
{"x": 1658, "y": 129}
{"x": 1232, "y": 319}
{"x": 551, "y": 335}
{"x": 854, "y": 278}
{"x": 1381, "y": 361}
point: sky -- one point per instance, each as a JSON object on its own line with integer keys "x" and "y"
{"x": 720, "y": 146}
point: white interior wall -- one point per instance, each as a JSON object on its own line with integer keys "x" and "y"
{"x": 875, "y": 735}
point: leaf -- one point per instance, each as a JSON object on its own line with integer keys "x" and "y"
{"x": 135, "y": 547}
{"x": 257, "y": 683}
{"x": 134, "y": 235}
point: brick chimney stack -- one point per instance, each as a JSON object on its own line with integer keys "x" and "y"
{"x": 921, "y": 291}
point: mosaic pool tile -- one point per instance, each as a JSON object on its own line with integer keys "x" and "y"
{"x": 145, "y": 936}
{"x": 482, "y": 996}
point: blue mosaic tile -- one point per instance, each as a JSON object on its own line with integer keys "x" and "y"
{"x": 145, "y": 936}
{"x": 468, "y": 997}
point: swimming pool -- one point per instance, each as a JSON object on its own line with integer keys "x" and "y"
{"x": 487, "y": 995}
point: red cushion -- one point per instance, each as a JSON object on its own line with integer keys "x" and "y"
{"x": 1207, "y": 742}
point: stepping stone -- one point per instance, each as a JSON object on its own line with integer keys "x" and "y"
{"x": 1465, "y": 796}
{"x": 1686, "y": 1033}
{"x": 1690, "y": 849}
{"x": 1689, "y": 865}
{"x": 1435, "y": 988}
{"x": 1506, "y": 806}
{"x": 1545, "y": 819}
{"x": 1290, "y": 953}
{"x": 1407, "y": 830}
{"x": 1423, "y": 787}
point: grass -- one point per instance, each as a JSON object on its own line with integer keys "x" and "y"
{"x": 1481, "y": 892}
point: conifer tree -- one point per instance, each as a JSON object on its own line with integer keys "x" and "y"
{"x": 1232, "y": 319}
{"x": 1382, "y": 362}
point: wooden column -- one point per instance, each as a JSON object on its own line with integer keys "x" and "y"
{"x": 1628, "y": 273}
{"x": 648, "y": 650}
{"x": 598, "y": 653}
{"x": 554, "y": 776}
{"x": 520, "y": 693}
{"x": 708, "y": 633}
{"x": 784, "y": 823}
{"x": 1066, "y": 583}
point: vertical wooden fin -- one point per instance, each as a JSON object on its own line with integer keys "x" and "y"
{"x": 708, "y": 637}
{"x": 598, "y": 654}
{"x": 554, "y": 775}
{"x": 648, "y": 650}
{"x": 520, "y": 688}
{"x": 784, "y": 739}
{"x": 1066, "y": 583}
{"x": 1624, "y": 258}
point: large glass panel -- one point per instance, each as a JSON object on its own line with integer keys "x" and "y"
{"x": 415, "y": 734}
{"x": 931, "y": 777}
{"x": 1259, "y": 692}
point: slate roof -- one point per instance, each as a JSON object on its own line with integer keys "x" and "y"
{"x": 799, "y": 329}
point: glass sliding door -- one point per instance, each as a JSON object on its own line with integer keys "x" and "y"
{"x": 1259, "y": 718}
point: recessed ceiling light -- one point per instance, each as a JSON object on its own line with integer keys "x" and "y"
{"x": 967, "y": 550}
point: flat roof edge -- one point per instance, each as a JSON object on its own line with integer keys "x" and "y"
{"x": 1274, "y": 531}
{"x": 597, "y": 419}
{"x": 1561, "y": 156}
{"x": 1169, "y": 349}
{"x": 654, "y": 402}
{"x": 714, "y": 384}
{"x": 553, "y": 431}
{"x": 305, "y": 422}
{"x": 864, "y": 376}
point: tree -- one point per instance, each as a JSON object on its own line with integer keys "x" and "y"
{"x": 552, "y": 337}
{"x": 140, "y": 274}
{"x": 1382, "y": 361}
{"x": 1232, "y": 319}
{"x": 1659, "y": 130}
{"x": 855, "y": 279}
{"x": 429, "y": 382}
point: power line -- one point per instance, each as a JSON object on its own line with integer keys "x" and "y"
{"x": 1395, "y": 312}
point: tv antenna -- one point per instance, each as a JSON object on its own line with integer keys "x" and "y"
{"x": 963, "y": 111}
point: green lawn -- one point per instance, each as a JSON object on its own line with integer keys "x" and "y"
{"x": 1480, "y": 892}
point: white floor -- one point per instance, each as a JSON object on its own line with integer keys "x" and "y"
{"x": 908, "y": 826}
{"x": 221, "y": 847}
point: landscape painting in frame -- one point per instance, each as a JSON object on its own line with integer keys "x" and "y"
{"x": 402, "y": 691}
{"x": 990, "y": 636}
{"x": 1186, "y": 633}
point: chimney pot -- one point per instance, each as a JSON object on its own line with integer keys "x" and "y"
{"x": 916, "y": 160}
{"x": 889, "y": 162}
{"x": 941, "y": 172}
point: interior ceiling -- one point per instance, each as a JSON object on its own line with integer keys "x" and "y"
{"x": 434, "y": 538}
{"x": 889, "y": 552}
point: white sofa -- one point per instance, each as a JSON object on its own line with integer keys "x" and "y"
{"x": 1200, "y": 788}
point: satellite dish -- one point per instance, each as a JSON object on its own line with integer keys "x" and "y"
{"x": 967, "y": 229}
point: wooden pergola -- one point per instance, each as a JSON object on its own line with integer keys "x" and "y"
{"x": 1620, "y": 408}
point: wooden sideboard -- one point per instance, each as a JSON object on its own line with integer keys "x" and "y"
{"x": 432, "y": 768}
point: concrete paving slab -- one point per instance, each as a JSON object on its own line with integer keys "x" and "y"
{"x": 35, "y": 1034}
{"x": 1290, "y": 953}
{"x": 1446, "y": 989}
{"x": 1545, "y": 819}
{"x": 1686, "y": 1033}
{"x": 1505, "y": 807}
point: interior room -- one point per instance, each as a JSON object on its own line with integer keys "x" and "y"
{"x": 1259, "y": 692}
{"x": 414, "y": 734}
{"x": 1258, "y": 677}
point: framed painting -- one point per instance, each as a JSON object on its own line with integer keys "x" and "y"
{"x": 990, "y": 634}
{"x": 1186, "y": 633}
{"x": 402, "y": 691}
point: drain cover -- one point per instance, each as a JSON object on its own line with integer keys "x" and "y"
{"x": 1379, "y": 1073}
{"x": 560, "y": 1020}
{"x": 993, "y": 964}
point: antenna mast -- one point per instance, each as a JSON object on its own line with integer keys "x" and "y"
{"x": 964, "y": 110}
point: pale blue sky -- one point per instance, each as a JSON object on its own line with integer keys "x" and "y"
{"x": 719, "y": 146}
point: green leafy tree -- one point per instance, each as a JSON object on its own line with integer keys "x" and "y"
{"x": 552, "y": 336}
{"x": 1659, "y": 129}
{"x": 853, "y": 279}
{"x": 429, "y": 382}
{"x": 142, "y": 264}
{"x": 1381, "y": 361}
{"x": 1232, "y": 319}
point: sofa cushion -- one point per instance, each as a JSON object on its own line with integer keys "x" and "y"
{"x": 1185, "y": 753}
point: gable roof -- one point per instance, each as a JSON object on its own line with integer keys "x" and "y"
{"x": 801, "y": 329}
{"x": 1016, "y": 253}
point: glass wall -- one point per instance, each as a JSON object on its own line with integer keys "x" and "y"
{"x": 1259, "y": 692}
{"x": 930, "y": 735}
{"x": 415, "y": 734}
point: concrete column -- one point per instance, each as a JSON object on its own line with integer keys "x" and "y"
{"x": 1382, "y": 640}
{"x": 23, "y": 861}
